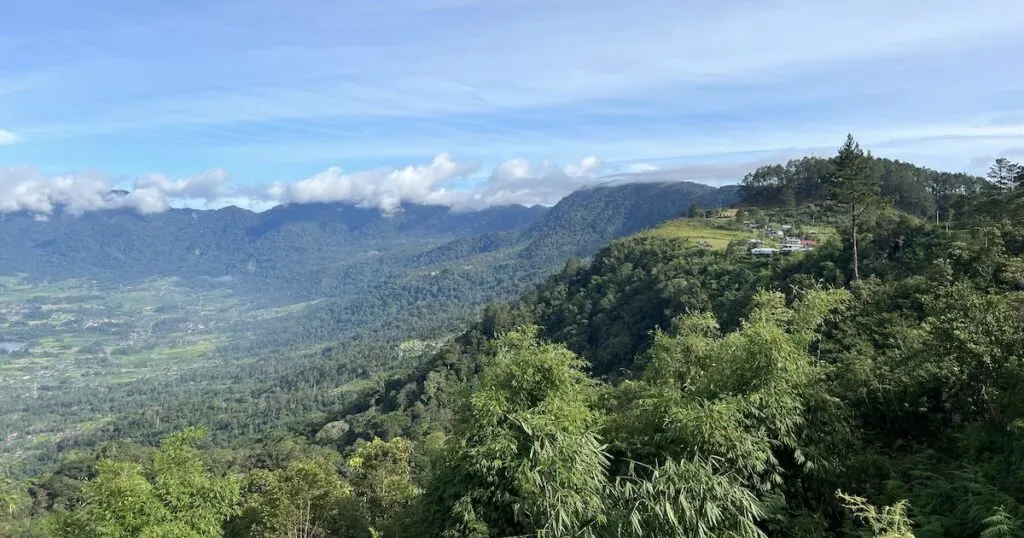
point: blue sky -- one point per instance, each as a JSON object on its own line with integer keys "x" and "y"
{"x": 261, "y": 101}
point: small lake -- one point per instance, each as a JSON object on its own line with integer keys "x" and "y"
{"x": 7, "y": 347}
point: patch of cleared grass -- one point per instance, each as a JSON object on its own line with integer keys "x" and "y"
{"x": 716, "y": 234}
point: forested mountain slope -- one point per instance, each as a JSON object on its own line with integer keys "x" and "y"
{"x": 452, "y": 280}
{"x": 283, "y": 246}
{"x": 588, "y": 218}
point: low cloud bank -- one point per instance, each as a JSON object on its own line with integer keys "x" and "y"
{"x": 443, "y": 181}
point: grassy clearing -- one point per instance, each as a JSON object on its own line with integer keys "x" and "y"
{"x": 824, "y": 233}
{"x": 716, "y": 234}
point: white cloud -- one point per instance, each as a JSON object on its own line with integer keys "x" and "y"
{"x": 518, "y": 181}
{"x": 25, "y": 188}
{"x": 584, "y": 167}
{"x": 145, "y": 200}
{"x": 7, "y": 138}
{"x": 209, "y": 185}
{"x": 384, "y": 188}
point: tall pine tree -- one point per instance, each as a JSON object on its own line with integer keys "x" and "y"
{"x": 1005, "y": 173}
{"x": 854, "y": 187}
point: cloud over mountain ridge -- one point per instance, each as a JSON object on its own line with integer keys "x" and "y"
{"x": 515, "y": 181}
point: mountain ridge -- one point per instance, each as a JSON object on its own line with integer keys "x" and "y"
{"x": 362, "y": 268}
{"x": 125, "y": 245}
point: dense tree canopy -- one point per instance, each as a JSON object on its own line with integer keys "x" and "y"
{"x": 176, "y": 497}
{"x": 914, "y": 190}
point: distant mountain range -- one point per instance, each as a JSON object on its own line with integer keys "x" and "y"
{"x": 359, "y": 259}
{"x": 299, "y": 238}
